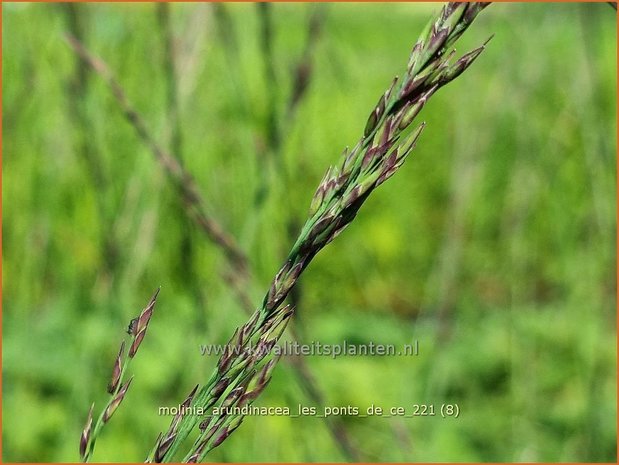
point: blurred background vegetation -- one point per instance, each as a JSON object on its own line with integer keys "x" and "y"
{"x": 494, "y": 246}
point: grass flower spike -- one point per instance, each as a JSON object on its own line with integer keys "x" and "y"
{"x": 389, "y": 137}
{"x": 116, "y": 388}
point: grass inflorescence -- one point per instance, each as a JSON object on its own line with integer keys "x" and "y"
{"x": 389, "y": 137}
{"x": 117, "y": 387}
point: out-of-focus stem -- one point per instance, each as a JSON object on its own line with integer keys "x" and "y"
{"x": 77, "y": 92}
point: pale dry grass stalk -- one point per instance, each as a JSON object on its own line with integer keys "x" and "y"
{"x": 389, "y": 136}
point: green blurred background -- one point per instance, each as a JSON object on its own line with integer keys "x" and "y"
{"x": 494, "y": 246}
